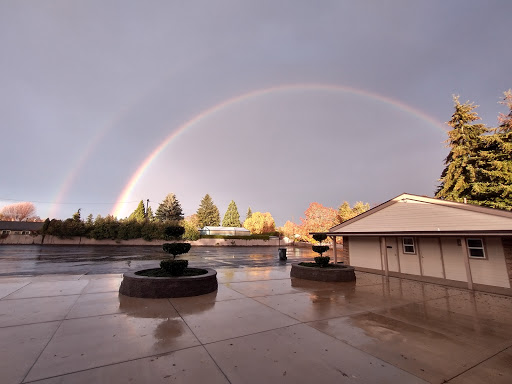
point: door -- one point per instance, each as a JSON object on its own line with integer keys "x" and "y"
{"x": 392, "y": 253}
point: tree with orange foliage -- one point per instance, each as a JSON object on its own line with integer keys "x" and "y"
{"x": 260, "y": 223}
{"x": 318, "y": 219}
{"x": 24, "y": 211}
{"x": 290, "y": 229}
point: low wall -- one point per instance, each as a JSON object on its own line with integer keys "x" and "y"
{"x": 53, "y": 240}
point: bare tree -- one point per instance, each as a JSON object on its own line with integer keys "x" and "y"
{"x": 24, "y": 211}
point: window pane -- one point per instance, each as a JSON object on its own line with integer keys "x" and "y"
{"x": 408, "y": 241}
{"x": 409, "y": 249}
{"x": 475, "y": 243}
{"x": 476, "y": 252}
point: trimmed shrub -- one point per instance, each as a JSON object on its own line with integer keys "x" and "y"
{"x": 320, "y": 249}
{"x": 176, "y": 249}
{"x": 320, "y": 237}
{"x": 322, "y": 261}
{"x": 173, "y": 232}
{"x": 174, "y": 267}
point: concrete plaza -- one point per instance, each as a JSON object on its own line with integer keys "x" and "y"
{"x": 259, "y": 327}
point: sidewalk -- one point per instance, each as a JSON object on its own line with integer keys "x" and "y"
{"x": 260, "y": 327}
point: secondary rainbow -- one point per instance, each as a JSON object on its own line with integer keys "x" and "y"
{"x": 125, "y": 194}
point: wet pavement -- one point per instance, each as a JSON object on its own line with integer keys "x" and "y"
{"x": 65, "y": 259}
{"x": 261, "y": 326}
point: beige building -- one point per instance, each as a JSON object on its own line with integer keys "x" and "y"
{"x": 432, "y": 240}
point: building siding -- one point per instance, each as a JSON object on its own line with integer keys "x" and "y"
{"x": 365, "y": 252}
{"x": 507, "y": 252}
{"x": 492, "y": 270}
{"x": 409, "y": 263}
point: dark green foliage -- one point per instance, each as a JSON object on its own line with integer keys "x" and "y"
{"x": 320, "y": 237}
{"x": 46, "y": 225}
{"x": 174, "y": 267}
{"x": 173, "y": 232}
{"x": 248, "y": 215}
{"x": 150, "y": 215}
{"x": 76, "y": 215}
{"x": 320, "y": 249}
{"x": 169, "y": 209}
{"x": 130, "y": 229}
{"x": 315, "y": 265}
{"x": 159, "y": 272}
{"x": 139, "y": 214}
{"x": 176, "y": 249}
{"x": 493, "y": 186}
{"x": 232, "y": 217}
{"x": 462, "y": 161}
{"x": 208, "y": 213}
{"x": 322, "y": 261}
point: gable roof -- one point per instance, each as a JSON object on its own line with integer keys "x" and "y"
{"x": 413, "y": 214}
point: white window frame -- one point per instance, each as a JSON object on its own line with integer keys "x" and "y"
{"x": 482, "y": 248}
{"x": 413, "y": 245}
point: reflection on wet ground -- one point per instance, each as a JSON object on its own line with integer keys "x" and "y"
{"x": 260, "y": 326}
{"x": 49, "y": 259}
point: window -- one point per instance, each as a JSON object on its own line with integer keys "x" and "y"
{"x": 408, "y": 245}
{"x": 476, "y": 248}
{"x": 5, "y": 232}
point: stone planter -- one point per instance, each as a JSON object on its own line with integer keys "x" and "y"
{"x": 161, "y": 287}
{"x": 342, "y": 273}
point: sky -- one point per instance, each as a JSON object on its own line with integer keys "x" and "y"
{"x": 272, "y": 104}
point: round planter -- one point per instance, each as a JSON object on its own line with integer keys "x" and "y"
{"x": 343, "y": 273}
{"x": 161, "y": 287}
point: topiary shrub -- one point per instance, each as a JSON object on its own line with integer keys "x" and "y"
{"x": 176, "y": 249}
{"x": 319, "y": 237}
{"x": 174, "y": 267}
{"x": 322, "y": 261}
{"x": 173, "y": 232}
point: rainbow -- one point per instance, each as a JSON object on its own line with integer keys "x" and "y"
{"x": 126, "y": 192}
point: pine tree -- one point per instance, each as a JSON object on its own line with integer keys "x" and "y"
{"x": 464, "y": 139}
{"x": 150, "y": 215}
{"x": 139, "y": 214}
{"x": 494, "y": 186}
{"x": 208, "y": 213}
{"x": 169, "y": 209}
{"x": 248, "y": 215}
{"x": 232, "y": 217}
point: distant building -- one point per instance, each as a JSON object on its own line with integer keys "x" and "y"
{"x": 432, "y": 240}
{"x": 19, "y": 227}
{"x": 225, "y": 231}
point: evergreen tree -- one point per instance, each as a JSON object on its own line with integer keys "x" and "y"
{"x": 232, "y": 217}
{"x": 494, "y": 185}
{"x": 150, "y": 214}
{"x": 464, "y": 140}
{"x": 76, "y": 216}
{"x": 208, "y": 213}
{"x": 248, "y": 215}
{"x": 169, "y": 209}
{"x": 139, "y": 214}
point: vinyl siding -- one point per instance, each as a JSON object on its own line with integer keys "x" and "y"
{"x": 492, "y": 270}
{"x": 365, "y": 252}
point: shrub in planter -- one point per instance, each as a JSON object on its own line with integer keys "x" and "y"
{"x": 322, "y": 261}
{"x": 176, "y": 249}
{"x": 172, "y": 232}
{"x": 319, "y": 237}
{"x": 174, "y": 267}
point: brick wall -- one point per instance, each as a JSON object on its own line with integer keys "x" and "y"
{"x": 507, "y": 249}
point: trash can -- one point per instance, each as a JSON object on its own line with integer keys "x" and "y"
{"x": 282, "y": 253}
